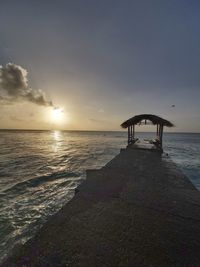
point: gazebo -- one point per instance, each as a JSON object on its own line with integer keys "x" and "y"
{"x": 145, "y": 119}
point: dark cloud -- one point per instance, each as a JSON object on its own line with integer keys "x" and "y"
{"x": 14, "y": 87}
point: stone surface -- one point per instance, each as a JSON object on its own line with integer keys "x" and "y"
{"x": 138, "y": 210}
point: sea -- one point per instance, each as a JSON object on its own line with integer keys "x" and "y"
{"x": 39, "y": 171}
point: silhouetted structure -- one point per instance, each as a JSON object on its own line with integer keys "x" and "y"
{"x": 144, "y": 119}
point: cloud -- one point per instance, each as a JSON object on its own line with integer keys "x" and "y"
{"x": 5, "y": 101}
{"x": 98, "y": 121}
{"x": 14, "y": 87}
{"x": 14, "y": 118}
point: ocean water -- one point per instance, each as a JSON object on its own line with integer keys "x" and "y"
{"x": 39, "y": 171}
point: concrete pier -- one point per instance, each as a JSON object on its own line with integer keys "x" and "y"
{"x": 138, "y": 210}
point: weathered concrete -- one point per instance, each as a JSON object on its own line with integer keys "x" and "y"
{"x": 138, "y": 210}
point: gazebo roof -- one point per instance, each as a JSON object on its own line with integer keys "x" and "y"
{"x": 153, "y": 118}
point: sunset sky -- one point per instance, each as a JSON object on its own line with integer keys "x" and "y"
{"x": 90, "y": 65}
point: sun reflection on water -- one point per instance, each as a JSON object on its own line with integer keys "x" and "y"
{"x": 57, "y": 137}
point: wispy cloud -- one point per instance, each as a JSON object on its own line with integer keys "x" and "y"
{"x": 98, "y": 121}
{"x": 5, "y": 100}
{"x": 14, "y": 118}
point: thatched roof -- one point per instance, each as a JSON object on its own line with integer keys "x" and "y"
{"x": 149, "y": 117}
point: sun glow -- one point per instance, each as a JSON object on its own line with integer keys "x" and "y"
{"x": 57, "y": 115}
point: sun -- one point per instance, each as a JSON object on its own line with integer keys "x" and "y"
{"x": 57, "y": 115}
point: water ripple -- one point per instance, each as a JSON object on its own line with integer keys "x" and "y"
{"x": 39, "y": 171}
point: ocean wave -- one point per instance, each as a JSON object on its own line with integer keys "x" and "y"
{"x": 36, "y": 181}
{"x": 38, "y": 172}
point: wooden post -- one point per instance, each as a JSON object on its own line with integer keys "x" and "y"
{"x": 161, "y": 135}
{"x": 133, "y": 131}
{"x": 159, "y": 128}
{"x": 157, "y": 132}
{"x": 128, "y": 135}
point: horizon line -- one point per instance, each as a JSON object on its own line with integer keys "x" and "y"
{"x": 70, "y": 130}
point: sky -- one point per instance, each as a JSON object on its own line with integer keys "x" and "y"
{"x": 90, "y": 65}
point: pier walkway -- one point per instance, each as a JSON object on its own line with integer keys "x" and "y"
{"x": 138, "y": 210}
